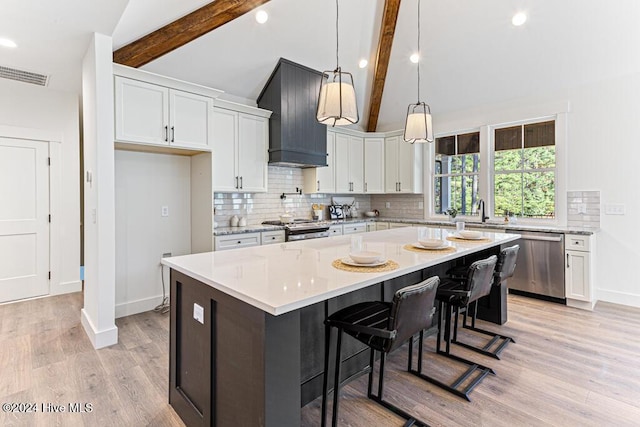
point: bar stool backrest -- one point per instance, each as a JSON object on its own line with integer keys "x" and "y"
{"x": 480, "y": 277}
{"x": 412, "y": 311}
{"x": 506, "y": 263}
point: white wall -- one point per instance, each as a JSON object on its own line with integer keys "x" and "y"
{"x": 144, "y": 183}
{"x": 603, "y": 128}
{"x": 98, "y": 314}
{"x": 28, "y": 106}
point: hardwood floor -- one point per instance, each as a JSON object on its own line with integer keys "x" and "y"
{"x": 569, "y": 367}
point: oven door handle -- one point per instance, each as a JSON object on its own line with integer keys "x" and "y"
{"x": 541, "y": 238}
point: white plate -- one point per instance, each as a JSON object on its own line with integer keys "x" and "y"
{"x": 349, "y": 261}
{"x": 457, "y": 236}
{"x": 437, "y": 248}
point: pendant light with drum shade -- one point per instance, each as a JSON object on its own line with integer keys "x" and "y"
{"x": 418, "y": 127}
{"x": 337, "y": 98}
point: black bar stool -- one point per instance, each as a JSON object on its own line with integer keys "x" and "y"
{"x": 383, "y": 327}
{"x": 505, "y": 267}
{"x": 452, "y": 295}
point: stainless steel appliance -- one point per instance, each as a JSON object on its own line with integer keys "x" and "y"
{"x": 540, "y": 266}
{"x": 302, "y": 229}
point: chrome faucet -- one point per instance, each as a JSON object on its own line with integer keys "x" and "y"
{"x": 482, "y": 213}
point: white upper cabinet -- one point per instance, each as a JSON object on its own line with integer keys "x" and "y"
{"x": 240, "y": 144}
{"x": 403, "y": 166}
{"x": 189, "y": 119}
{"x": 147, "y": 113}
{"x": 142, "y": 113}
{"x": 322, "y": 179}
{"x": 374, "y": 165}
{"x": 349, "y": 163}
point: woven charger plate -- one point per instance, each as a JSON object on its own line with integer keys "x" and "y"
{"x": 457, "y": 239}
{"x": 411, "y": 248}
{"x": 387, "y": 266}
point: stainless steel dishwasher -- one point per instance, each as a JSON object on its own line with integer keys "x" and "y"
{"x": 540, "y": 267}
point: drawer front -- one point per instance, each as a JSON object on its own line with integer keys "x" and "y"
{"x": 355, "y": 228}
{"x": 382, "y": 225}
{"x": 270, "y": 237}
{"x": 232, "y": 241}
{"x": 576, "y": 242}
{"x": 398, "y": 225}
{"x": 335, "y": 230}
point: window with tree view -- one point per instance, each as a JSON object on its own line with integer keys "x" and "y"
{"x": 457, "y": 167}
{"x": 525, "y": 170}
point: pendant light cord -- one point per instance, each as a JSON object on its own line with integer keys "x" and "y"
{"x": 419, "y": 53}
{"x": 337, "y": 38}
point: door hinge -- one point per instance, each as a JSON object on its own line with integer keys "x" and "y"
{"x": 49, "y": 217}
{"x": 48, "y": 161}
{"x": 49, "y": 275}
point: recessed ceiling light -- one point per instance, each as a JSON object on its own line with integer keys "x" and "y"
{"x": 519, "y": 19}
{"x": 415, "y": 58}
{"x": 7, "y": 43}
{"x": 262, "y": 16}
{"x": 363, "y": 63}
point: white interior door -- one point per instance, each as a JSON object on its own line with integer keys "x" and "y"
{"x": 24, "y": 219}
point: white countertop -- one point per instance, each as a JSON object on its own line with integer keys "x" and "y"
{"x": 284, "y": 277}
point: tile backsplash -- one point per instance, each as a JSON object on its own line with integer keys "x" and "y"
{"x": 583, "y": 209}
{"x": 258, "y": 207}
{"x": 401, "y": 205}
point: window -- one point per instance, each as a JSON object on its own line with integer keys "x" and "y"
{"x": 525, "y": 170}
{"x": 456, "y": 173}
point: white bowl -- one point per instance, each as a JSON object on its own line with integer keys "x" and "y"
{"x": 470, "y": 234}
{"x": 370, "y": 214}
{"x": 430, "y": 243}
{"x": 365, "y": 257}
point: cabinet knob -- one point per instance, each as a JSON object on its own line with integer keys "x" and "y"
{"x": 239, "y": 241}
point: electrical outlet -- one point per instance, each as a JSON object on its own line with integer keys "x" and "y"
{"x": 582, "y": 208}
{"x": 387, "y": 205}
{"x": 614, "y": 209}
{"x": 164, "y": 211}
{"x": 198, "y": 313}
{"x": 166, "y": 254}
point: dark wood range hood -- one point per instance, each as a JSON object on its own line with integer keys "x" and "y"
{"x": 295, "y": 137}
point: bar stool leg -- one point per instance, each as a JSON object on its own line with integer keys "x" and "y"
{"x": 325, "y": 382}
{"x": 383, "y": 356}
{"x": 371, "y": 362}
{"x": 336, "y": 382}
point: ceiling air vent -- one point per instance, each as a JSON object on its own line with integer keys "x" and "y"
{"x": 23, "y": 76}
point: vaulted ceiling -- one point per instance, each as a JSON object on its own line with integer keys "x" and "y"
{"x": 472, "y": 54}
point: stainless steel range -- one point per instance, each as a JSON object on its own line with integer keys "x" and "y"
{"x": 302, "y": 229}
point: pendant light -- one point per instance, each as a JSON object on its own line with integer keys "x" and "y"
{"x": 418, "y": 127}
{"x": 337, "y": 97}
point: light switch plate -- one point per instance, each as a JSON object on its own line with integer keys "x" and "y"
{"x": 198, "y": 313}
{"x": 387, "y": 205}
{"x": 165, "y": 211}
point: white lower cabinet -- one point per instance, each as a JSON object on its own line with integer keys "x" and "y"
{"x": 382, "y": 226}
{"x": 578, "y": 277}
{"x": 355, "y": 227}
{"x": 245, "y": 240}
{"x": 399, "y": 225}
{"x": 335, "y": 230}
{"x": 371, "y": 226}
{"x": 271, "y": 237}
{"x": 240, "y": 240}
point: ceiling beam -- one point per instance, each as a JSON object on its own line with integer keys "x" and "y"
{"x": 182, "y": 31}
{"x": 387, "y": 30}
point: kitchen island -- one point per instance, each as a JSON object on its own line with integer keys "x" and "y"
{"x": 246, "y": 324}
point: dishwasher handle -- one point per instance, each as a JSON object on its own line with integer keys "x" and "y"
{"x": 541, "y": 238}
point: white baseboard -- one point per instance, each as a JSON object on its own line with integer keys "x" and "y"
{"x": 99, "y": 339}
{"x": 65, "y": 287}
{"x": 616, "y": 297}
{"x": 583, "y": 305}
{"x": 138, "y": 306}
